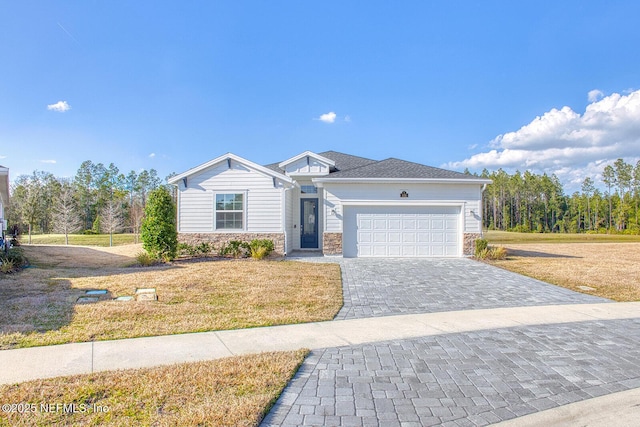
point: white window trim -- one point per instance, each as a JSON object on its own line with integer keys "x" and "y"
{"x": 244, "y": 211}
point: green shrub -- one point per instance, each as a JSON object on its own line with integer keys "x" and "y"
{"x": 16, "y": 257}
{"x": 260, "y": 248}
{"x": 203, "y": 248}
{"x": 481, "y": 245}
{"x": 144, "y": 259}
{"x": 185, "y": 249}
{"x": 235, "y": 248}
{"x": 158, "y": 231}
{"x": 482, "y": 254}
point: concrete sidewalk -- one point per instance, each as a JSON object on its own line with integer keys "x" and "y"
{"x": 70, "y": 359}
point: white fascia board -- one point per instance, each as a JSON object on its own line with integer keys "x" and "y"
{"x": 399, "y": 203}
{"x": 401, "y": 180}
{"x": 224, "y": 157}
{"x": 307, "y": 153}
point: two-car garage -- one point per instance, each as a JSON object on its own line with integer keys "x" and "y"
{"x": 402, "y": 231}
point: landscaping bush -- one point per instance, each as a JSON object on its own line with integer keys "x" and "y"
{"x": 144, "y": 259}
{"x": 497, "y": 252}
{"x": 481, "y": 245}
{"x": 235, "y": 248}
{"x": 158, "y": 231}
{"x": 203, "y": 249}
{"x": 13, "y": 260}
{"x": 491, "y": 253}
{"x": 260, "y": 248}
{"x": 185, "y": 249}
{"x": 6, "y": 266}
{"x": 16, "y": 256}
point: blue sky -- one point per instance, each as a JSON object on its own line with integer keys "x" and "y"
{"x": 547, "y": 86}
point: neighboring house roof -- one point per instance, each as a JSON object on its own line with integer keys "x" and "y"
{"x": 4, "y": 186}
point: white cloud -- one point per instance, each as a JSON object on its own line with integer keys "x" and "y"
{"x": 3, "y": 157}
{"x": 595, "y": 95}
{"x": 60, "y": 107}
{"x": 53, "y": 162}
{"x": 329, "y": 117}
{"x": 152, "y": 155}
{"x": 347, "y": 119}
{"x": 568, "y": 143}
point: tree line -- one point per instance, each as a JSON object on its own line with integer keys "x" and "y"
{"x": 529, "y": 202}
{"x": 98, "y": 199}
{"x": 101, "y": 199}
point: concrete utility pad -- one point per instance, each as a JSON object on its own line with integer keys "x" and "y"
{"x": 474, "y": 378}
{"x": 383, "y": 287}
{"x": 146, "y": 294}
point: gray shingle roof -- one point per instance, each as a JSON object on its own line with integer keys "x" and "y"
{"x": 396, "y": 168}
{"x": 343, "y": 161}
{"x": 346, "y": 162}
{"x": 348, "y": 166}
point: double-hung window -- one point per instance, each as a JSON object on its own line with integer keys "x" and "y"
{"x": 229, "y": 211}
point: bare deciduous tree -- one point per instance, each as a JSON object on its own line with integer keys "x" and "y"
{"x": 111, "y": 219}
{"x": 66, "y": 219}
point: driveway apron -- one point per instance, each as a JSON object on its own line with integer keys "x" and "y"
{"x": 465, "y": 379}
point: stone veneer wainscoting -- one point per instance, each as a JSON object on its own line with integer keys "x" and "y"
{"x": 219, "y": 239}
{"x": 332, "y": 243}
{"x": 469, "y": 248}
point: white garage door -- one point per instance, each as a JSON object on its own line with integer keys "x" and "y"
{"x": 390, "y": 231}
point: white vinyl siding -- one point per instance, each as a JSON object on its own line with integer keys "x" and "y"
{"x": 195, "y": 211}
{"x": 307, "y": 167}
{"x": 467, "y": 195}
{"x": 263, "y": 203}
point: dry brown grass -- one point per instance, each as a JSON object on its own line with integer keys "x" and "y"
{"x": 236, "y": 391}
{"x": 612, "y": 269}
{"x": 38, "y": 305}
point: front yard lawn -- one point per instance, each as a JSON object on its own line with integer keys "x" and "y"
{"x": 236, "y": 391}
{"x": 611, "y": 269}
{"x": 38, "y": 305}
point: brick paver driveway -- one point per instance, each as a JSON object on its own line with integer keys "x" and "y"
{"x": 383, "y": 287}
{"x": 462, "y": 379}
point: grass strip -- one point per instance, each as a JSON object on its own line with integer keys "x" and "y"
{"x": 235, "y": 391}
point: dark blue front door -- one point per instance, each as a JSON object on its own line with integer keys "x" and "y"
{"x": 309, "y": 223}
